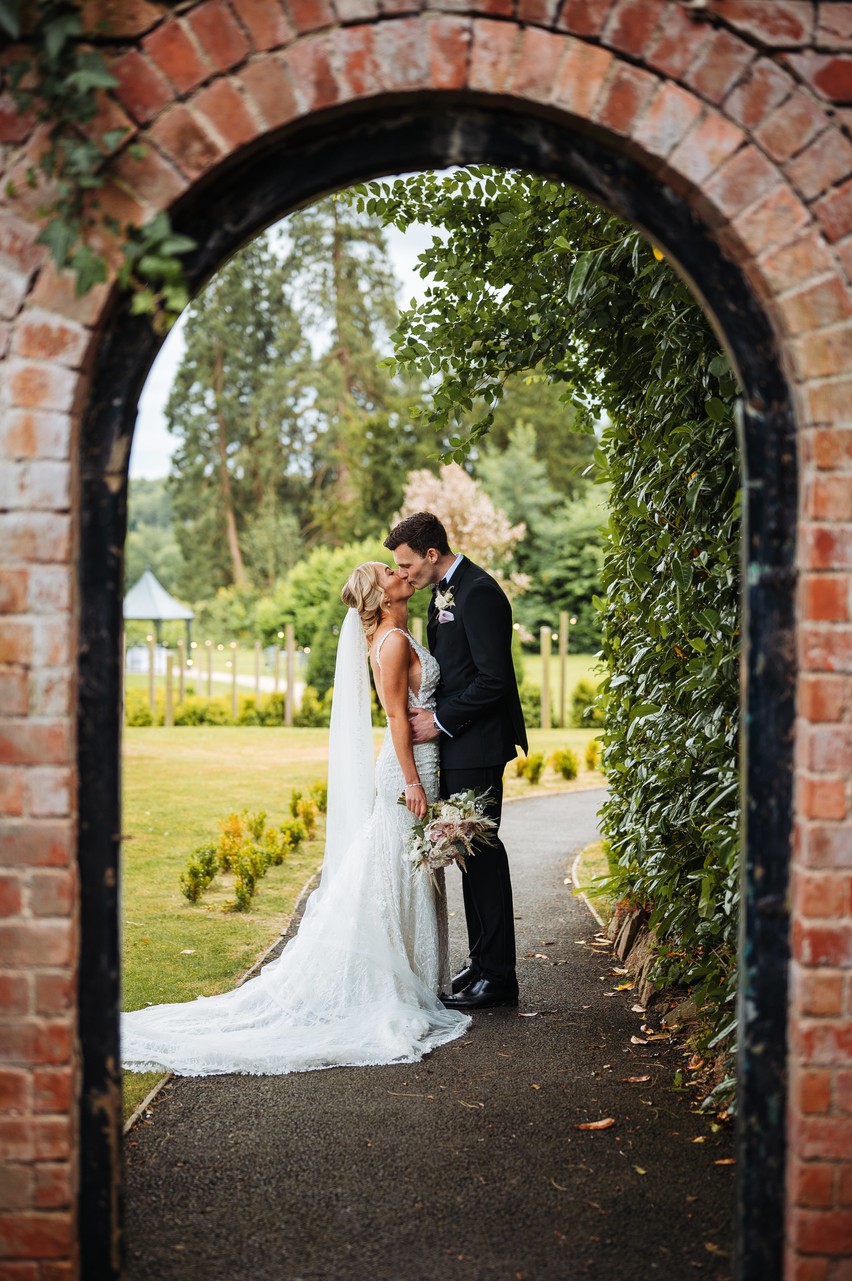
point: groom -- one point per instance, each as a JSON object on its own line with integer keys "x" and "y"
{"x": 478, "y": 721}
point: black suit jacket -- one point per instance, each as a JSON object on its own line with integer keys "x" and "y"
{"x": 478, "y": 701}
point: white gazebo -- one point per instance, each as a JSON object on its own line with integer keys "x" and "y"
{"x": 149, "y": 601}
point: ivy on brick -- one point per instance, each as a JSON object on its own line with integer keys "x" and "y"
{"x": 56, "y": 76}
{"x": 528, "y": 276}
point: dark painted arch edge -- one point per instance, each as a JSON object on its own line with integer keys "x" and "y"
{"x": 331, "y": 151}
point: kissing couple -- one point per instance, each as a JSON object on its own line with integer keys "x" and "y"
{"x": 366, "y": 980}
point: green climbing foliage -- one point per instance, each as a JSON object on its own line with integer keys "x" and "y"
{"x": 528, "y": 277}
{"x": 55, "y": 74}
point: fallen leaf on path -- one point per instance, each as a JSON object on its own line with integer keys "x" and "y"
{"x": 534, "y": 1087}
{"x": 465, "y": 1104}
{"x": 702, "y": 1138}
{"x": 637, "y": 1009}
{"x": 401, "y": 1094}
{"x": 533, "y": 1015}
{"x": 619, "y": 969}
{"x": 637, "y": 1040}
{"x": 639, "y": 1169}
{"x": 726, "y": 1160}
{"x": 559, "y": 1186}
{"x": 187, "y": 951}
{"x": 636, "y": 1080}
{"x": 695, "y": 1063}
{"x": 715, "y": 1249}
{"x": 598, "y": 1125}
{"x": 623, "y": 987}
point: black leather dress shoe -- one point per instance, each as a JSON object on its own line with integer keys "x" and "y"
{"x": 464, "y": 978}
{"x": 483, "y": 994}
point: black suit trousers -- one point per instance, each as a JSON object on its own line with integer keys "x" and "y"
{"x": 486, "y": 885}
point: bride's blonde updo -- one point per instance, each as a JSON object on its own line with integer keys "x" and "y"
{"x": 365, "y": 592}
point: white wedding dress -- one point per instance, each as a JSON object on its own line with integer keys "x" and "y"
{"x": 359, "y": 982}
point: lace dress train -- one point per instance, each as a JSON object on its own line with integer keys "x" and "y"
{"x": 357, "y": 985}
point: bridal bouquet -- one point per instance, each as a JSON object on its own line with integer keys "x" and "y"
{"x": 447, "y": 831}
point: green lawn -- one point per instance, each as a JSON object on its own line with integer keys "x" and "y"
{"x": 577, "y": 667}
{"x": 178, "y": 784}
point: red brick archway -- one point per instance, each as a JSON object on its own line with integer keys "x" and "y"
{"x": 733, "y": 114}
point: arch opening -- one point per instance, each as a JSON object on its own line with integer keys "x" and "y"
{"x": 221, "y": 213}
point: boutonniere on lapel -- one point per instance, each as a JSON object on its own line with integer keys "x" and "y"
{"x": 445, "y": 602}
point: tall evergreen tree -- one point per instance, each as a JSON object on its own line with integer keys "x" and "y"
{"x": 235, "y": 408}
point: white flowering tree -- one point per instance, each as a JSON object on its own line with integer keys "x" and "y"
{"x": 473, "y": 524}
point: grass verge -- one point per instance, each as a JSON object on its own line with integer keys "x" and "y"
{"x": 590, "y": 869}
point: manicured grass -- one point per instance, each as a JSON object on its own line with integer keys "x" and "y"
{"x": 178, "y": 784}
{"x": 577, "y": 667}
{"x": 592, "y": 867}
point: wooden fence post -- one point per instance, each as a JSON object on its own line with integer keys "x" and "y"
{"x": 417, "y": 630}
{"x": 169, "y": 711}
{"x": 234, "y": 701}
{"x": 563, "y": 665}
{"x": 257, "y": 653}
{"x": 545, "y": 677}
{"x": 152, "y": 677}
{"x": 181, "y": 648}
{"x": 291, "y": 674}
{"x": 208, "y": 645}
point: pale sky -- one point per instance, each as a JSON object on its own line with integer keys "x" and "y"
{"x": 152, "y": 444}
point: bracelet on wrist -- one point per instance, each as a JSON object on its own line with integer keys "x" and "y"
{"x": 409, "y": 786}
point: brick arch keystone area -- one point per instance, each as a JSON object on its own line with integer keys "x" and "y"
{"x": 724, "y": 130}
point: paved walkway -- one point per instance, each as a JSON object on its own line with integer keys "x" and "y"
{"x": 468, "y": 1165}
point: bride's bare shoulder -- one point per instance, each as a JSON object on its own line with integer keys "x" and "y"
{"x": 390, "y": 643}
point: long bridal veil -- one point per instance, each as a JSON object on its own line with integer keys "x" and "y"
{"x": 355, "y": 986}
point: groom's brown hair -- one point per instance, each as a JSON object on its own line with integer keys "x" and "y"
{"x": 420, "y": 531}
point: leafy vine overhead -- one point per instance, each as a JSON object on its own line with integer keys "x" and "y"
{"x": 529, "y": 277}
{"x": 55, "y": 77}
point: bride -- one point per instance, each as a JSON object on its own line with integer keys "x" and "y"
{"x": 359, "y": 983}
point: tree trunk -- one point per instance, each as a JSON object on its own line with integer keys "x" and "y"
{"x": 226, "y": 492}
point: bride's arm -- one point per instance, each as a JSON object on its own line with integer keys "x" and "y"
{"x": 396, "y": 656}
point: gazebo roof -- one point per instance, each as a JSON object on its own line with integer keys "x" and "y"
{"x": 149, "y": 600}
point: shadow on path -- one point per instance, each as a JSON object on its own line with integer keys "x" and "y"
{"x": 468, "y": 1165}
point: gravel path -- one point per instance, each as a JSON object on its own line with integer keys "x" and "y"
{"x": 468, "y": 1165}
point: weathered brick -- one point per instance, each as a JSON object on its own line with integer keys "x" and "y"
{"x": 824, "y": 945}
{"x": 827, "y": 845}
{"x": 821, "y": 894}
{"x": 835, "y": 211}
{"x": 181, "y": 137}
{"x": 537, "y": 64}
{"x": 12, "y": 779}
{"x": 52, "y": 1186}
{"x": 770, "y": 222}
{"x": 816, "y": 306}
{"x": 268, "y": 86}
{"x": 176, "y": 54}
{"x": 311, "y": 74}
{"x": 668, "y": 119}
{"x": 744, "y": 179}
{"x": 49, "y": 791}
{"x": 722, "y": 60}
{"x": 789, "y": 129}
{"x": 25, "y": 742}
{"x": 824, "y": 697}
{"x": 811, "y": 1091}
{"x": 225, "y": 114}
{"x": 39, "y": 385}
{"x": 218, "y": 34}
{"x": 14, "y": 691}
{"x": 11, "y": 894}
{"x": 818, "y": 1231}
{"x": 829, "y": 74}
{"x": 822, "y": 798}
{"x": 37, "y": 1235}
{"x": 149, "y": 178}
{"x": 53, "y": 1089}
{"x": 630, "y": 25}
{"x": 401, "y": 51}
{"x": 828, "y": 747}
{"x": 584, "y": 17}
{"x": 142, "y": 90}
{"x": 676, "y": 43}
{"x": 16, "y": 1193}
{"x": 36, "y": 943}
{"x": 56, "y": 291}
{"x": 492, "y": 54}
{"x": 450, "y": 41}
{"x": 52, "y": 892}
{"x": 707, "y": 145}
{"x": 821, "y": 993}
{"x": 38, "y": 486}
{"x": 819, "y": 166}
{"x": 759, "y": 92}
{"x": 46, "y": 843}
{"x": 16, "y": 640}
{"x": 824, "y": 597}
{"x": 581, "y": 75}
{"x": 782, "y": 24}
{"x": 54, "y": 994}
{"x": 796, "y": 263}
{"x": 13, "y": 290}
{"x": 51, "y": 692}
{"x": 42, "y": 336}
{"x": 812, "y": 1183}
{"x": 626, "y": 94}
{"x": 309, "y": 15}
{"x": 265, "y": 21}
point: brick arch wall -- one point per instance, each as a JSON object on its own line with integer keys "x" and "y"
{"x": 744, "y": 107}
